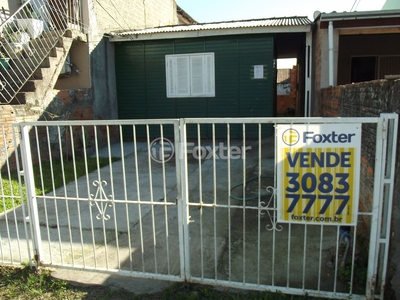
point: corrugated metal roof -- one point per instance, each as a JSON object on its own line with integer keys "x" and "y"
{"x": 359, "y": 15}
{"x": 272, "y": 22}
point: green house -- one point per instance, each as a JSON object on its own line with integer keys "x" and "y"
{"x": 208, "y": 70}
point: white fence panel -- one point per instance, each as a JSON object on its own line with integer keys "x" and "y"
{"x": 231, "y": 226}
{"x": 191, "y": 199}
{"x": 100, "y": 200}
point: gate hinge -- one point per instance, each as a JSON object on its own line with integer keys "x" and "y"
{"x": 384, "y": 129}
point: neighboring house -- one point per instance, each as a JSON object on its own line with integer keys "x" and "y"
{"x": 361, "y": 47}
{"x": 225, "y": 69}
{"x": 87, "y": 78}
{"x": 354, "y": 47}
{"x": 184, "y": 17}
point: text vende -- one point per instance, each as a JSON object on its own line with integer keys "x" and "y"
{"x": 323, "y": 159}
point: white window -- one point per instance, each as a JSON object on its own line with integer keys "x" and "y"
{"x": 190, "y": 75}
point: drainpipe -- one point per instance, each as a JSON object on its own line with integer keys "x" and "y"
{"x": 330, "y": 45}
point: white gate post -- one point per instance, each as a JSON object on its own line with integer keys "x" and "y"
{"x": 181, "y": 155}
{"x": 388, "y": 190}
{"x": 382, "y": 202}
{"x": 30, "y": 192}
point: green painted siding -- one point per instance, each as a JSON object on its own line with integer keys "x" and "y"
{"x": 141, "y": 80}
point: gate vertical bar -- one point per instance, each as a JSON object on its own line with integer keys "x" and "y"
{"x": 374, "y": 238}
{"x": 30, "y": 192}
{"x": 183, "y": 198}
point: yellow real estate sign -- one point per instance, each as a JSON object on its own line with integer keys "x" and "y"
{"x": 318, "y": 167}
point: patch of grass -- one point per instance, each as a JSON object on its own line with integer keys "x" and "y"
{"x": 28, "y": 283}
{"x": 44, "y": 180}
{"x": 360, "y": 265}
{"x": 360, "y": 271}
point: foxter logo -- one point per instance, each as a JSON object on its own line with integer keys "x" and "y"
{"x": 290, "y": 137}
{"x": 332, "y": 137}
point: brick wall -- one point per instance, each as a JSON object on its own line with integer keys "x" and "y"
{"x": 283, "y": 102}
{"x": 66, "y": 105}
{"x": 9, "y": 139}
{"x": 369, "y": 99}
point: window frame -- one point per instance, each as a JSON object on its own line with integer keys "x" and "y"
{"x": 182, "y": 70}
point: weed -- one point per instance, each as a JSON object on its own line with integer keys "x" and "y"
{"x": 360, "y": 265}
{"x": 27, "y": 283}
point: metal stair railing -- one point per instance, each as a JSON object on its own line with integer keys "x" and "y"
{"x": 26, "y": 39}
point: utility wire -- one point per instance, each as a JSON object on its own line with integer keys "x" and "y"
{"x": 117, "y": 10}
{"x": 355, "y": 5}
{"x": 130, "y": 29}
{"x": 110, "y": 15}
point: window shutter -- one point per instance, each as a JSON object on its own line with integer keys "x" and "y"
{"x": 169, "y": 70}
{"x": 197, "y": 72}
{"x": 177, "y": 73}
{"x": 182, "y": 77}
{"x": 209, "y": 75}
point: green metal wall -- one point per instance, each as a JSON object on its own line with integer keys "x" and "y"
{"x": 141, "y": 81}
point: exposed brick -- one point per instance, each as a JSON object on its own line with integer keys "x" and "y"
{"x": 62, "y": 94}
{"x": 370, "y": 171}
{"x": 367, "y": 99}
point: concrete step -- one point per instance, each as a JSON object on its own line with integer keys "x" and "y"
{"x": 37, "y": 71}
{"x": 52, "y": 33}
{"x": 31, "y": 63}
{"x": 14, "y": 86}
{"x": 15, "y": 74}
{"x": 37, "y": 44}
{"x": 40, "y": 52}
{"x": 76, "y": 35}
{"x": 24, "y": 97}
{"x": 30, "y": 86}
{"x": 40, "y": 73}
{"x": 5, "y": 94}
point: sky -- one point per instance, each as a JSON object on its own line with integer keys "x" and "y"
{"x": 205, "y": 11}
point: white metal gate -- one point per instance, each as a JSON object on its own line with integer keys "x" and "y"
{"x": 189, "y": 199}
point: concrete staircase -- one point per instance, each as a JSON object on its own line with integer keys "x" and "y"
{"x": 41, "y": 68}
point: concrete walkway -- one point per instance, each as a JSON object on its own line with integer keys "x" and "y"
{"x": 84, "y": 277}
